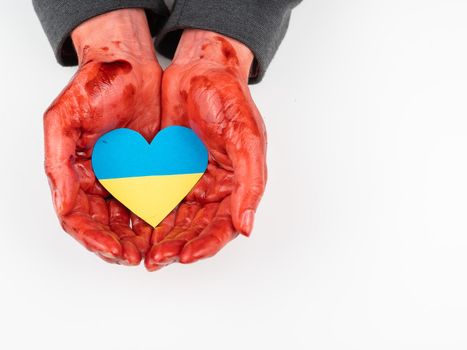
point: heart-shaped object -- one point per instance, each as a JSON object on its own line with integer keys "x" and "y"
{"x": 150, "y": 179}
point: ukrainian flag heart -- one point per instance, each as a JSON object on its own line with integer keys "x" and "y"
{"x": 150, "y": 179}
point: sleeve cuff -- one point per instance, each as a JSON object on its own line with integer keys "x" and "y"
{"x": 260, "y": 25}
{"x": 59, "y": 18}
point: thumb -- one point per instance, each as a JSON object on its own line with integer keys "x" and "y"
{"x": 248, "y": 157}
{"x": 60, "y": 144}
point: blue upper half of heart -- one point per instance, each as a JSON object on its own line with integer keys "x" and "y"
{"x": 125, "y": 153}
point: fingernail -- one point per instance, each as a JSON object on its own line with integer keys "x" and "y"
{"x": 248, "y": 218}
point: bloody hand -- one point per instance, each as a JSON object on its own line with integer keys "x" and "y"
{"x": 205, "y": 88}
{"x": 117, "y": 85}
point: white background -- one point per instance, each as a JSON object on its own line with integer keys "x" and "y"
{"x": 360, "y": 241}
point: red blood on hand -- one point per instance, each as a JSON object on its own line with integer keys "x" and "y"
{"x": 205, "y": 88}
{"x": 118, "y": 84}
{"x": 115, "y": 86}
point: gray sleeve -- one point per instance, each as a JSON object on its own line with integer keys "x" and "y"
{"x": 60, "y": 17}
{"x": 259, "y": 24}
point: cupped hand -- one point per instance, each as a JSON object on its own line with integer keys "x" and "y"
{"x": 206, "y": 88}
{"x": 117, "y": 85}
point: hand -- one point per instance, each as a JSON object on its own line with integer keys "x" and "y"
{"x": 117, "y": 85}
{"x": 206, "y": 88}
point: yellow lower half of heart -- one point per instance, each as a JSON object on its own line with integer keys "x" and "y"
{"x": 152, "y": 198}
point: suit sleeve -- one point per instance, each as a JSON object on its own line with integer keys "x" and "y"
{"x": 259, "y": 24}
{"x": 60, "y": 17}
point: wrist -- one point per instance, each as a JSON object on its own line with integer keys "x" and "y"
{"x": 120, "y": 33}
{"x": 196, "y": 44}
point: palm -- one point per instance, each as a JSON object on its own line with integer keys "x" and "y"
{"x": 216, "y": 103}
{"x": 101, "y": 97}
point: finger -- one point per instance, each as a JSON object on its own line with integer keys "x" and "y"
{"x": 202, "y": 219}
{"x": 164, "y": 227}
{"x": 167, "y": 251}
{"x": 119, "y": 215}
{"x": 223, "y": 187}
{"x": 248, "y": 155}
{"x": 198, "y": 193}
{"x": 185, "y": 214}
{"x": 216, "y": 235}
{"x": 229, "y": 123}
{"x": 143, "y": 232}
{"x": 215, "y": 184}
{"x": 87, "y": 179}
{"x": 82, "y": 204}
{"x": 85, "y": 174}
{"x": 140, "y": 227}
{"x": 163, "y": 254}
{"x": 60, "y": 144}
{"x": 98, "y": 190}
{"x": 94, "y": 236}
{"x": 109, "y": 260}
{"x": 119, "y": 218}
{"x": 131, "y": 255}
{"x": 98, "y": 209}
